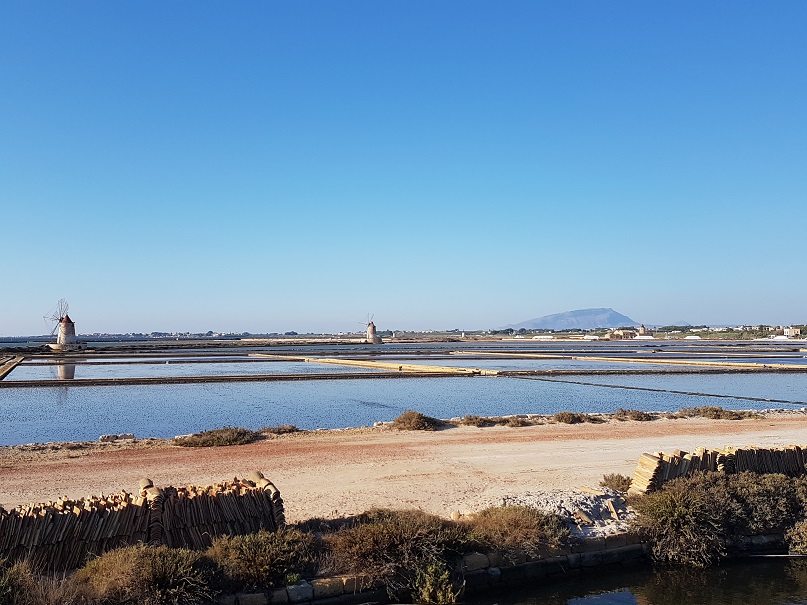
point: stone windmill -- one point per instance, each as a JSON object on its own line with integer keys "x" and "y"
{"x": 64, "y": 328}
{"x": 372, "y": 337}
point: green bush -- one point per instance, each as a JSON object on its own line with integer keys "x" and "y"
{"x": 228, "y": 435}
{"x": 616, "y": 482}
{"x": 518, "y": 528}
{"x": 411, "y": 420}
{"x": 264, "y": 559}
{"x": 146, "y": 575}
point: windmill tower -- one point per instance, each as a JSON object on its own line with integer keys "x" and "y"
{"x": 64, "y": 328}
{"x": 372, "y": 338}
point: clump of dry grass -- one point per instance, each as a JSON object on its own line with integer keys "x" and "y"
{"x": 21, "y": 584}
{"x": 714, "y": 412}
{"x": 228, "y": 435}
{"x": 575, "y": 418}
{"x": 281, "y": 429}
{"x": 477, "y": 421}
{"x": 486, "y": 421}
{"x": 638, "y": 415}
{"x": 516, "y": 421}
{"x": 411, "y": 420}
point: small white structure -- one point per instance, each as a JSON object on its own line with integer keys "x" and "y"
{"x": 790, "y": 332}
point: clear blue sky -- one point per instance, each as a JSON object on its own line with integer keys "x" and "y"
{"x": 268, "y": 166}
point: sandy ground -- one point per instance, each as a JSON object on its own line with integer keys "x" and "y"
{"x": 344, "y": 472}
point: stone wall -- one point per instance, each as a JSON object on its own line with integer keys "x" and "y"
{"x": 58, "y": 536}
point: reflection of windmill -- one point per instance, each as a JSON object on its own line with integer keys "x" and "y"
{"x": 63, "y": 327}
{"x": 372, "y": 337}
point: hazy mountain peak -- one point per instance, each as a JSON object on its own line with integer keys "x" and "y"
{"x": 579, "y": 319}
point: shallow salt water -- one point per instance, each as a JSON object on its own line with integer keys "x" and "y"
{"x": 83, "y": 413}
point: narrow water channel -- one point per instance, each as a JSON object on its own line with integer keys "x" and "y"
{"x": 768, "y": 582}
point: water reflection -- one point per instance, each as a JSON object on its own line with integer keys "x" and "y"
{"x": 772, "y": 582}
{"x": 65, "y": 371}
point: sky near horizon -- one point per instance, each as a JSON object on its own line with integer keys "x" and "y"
{"x": 274, "y": 166}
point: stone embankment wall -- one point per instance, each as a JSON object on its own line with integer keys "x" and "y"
{"x": 653, "y": 470}
{"x": 60, "y": 535}
{"x": 493, "y": 571}
{"x": 480, "y": 572}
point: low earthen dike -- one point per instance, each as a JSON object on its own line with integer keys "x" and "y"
{"x": 59, "y": 536}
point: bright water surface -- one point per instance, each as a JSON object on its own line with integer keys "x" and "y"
{"x": 82, "y": 413}
{"x": 772, "y": 582}
{"x": 69, "y": 413}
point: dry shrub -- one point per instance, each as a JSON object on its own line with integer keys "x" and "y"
{"x": 228, "y": 435}
{"x": 714, "y": 412}
{"x": 411, "y": 420}
{"x": 683, "y": 525}
{"x": 637, "y": 415}
{"x": 477, "y": 421}
{"x": 514, "y": 528}
{"x": 394, "y": 546}
{"x": 21, "y": 584}
{"x": 16, "y": 580}
{"x": 765, "y": 503}
{"x": 569, "y": 418}
{"x": 146, "y": 575}
{"x": 689, "y": 518}
{"x": 281, "y": 429}
{"x": 616, "y": 482}
{"x": 516, "y": 422}
{"x": 264, "y": 559}
{"x": 797, "y": 538}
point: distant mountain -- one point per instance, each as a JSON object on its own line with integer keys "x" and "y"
{"x": 581, "y": 319}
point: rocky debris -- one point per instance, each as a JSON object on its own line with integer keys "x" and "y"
{"x": 113, "y": 437}
{"x": 588, "y": 511}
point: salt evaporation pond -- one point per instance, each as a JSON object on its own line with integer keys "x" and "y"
{"x": 170, "y": 369}
{"x": 83, "y": 413}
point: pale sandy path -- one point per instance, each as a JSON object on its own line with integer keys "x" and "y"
{"x": 348, "y": 472}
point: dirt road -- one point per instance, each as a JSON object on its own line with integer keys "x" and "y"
{"x": 344, "y": 472}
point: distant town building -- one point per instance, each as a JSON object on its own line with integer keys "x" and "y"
{"x": 792, "y": 332}
{"x": 621, "y": 335}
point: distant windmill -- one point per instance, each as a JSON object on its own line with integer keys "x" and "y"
{"x": 372, "y": 337}
{"x": 63, "y": 327}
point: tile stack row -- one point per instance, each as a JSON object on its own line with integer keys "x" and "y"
{"x": 653, "y": 470}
